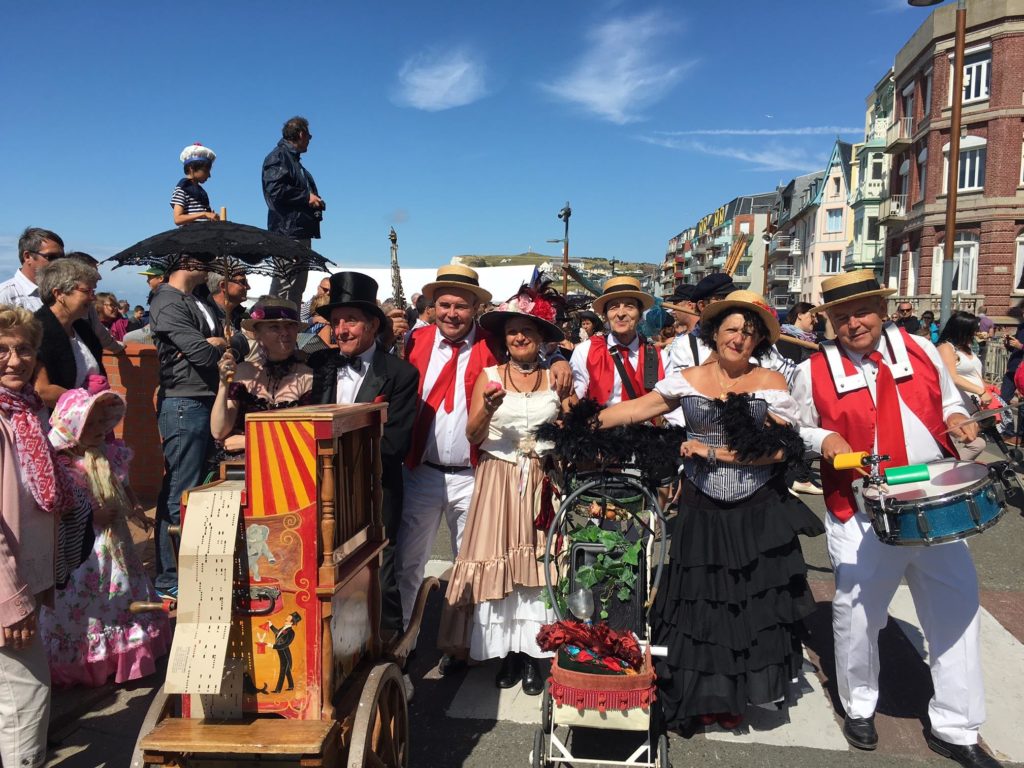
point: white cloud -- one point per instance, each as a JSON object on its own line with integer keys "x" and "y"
{"x": 620, "y": 72}
{"x": 890, "y": 6}
{"x": 814, "y": 130}
{"x": 774, "y": 158}
{"x": 437, "y": 80}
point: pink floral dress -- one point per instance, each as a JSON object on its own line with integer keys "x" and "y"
{"x": 89, "y": 634}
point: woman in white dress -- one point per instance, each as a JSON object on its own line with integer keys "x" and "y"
{"x": 967, "y": 370}
{"x": 495, "y": 604}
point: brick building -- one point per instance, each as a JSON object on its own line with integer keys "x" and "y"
{"x": 989, "y": 248}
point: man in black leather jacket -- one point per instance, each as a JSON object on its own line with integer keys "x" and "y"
{"x": 294, "y": 207}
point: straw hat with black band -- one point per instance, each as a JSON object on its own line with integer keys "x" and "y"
{"x": 457, "y": 276}
{"x": 859, "y": 284}
{"x": 738, "y": 300}
{"x": 270, "y": 309}
{"x": 624, "y": 287}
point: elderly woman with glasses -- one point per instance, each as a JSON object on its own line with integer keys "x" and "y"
{"x": 70, "y": 350}
{"x": 34, "y": 493}
{"x": 277, "y": 378}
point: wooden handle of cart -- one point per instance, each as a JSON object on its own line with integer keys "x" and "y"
{"x": 165, "y": 606}
{"x": 223, "y": 213}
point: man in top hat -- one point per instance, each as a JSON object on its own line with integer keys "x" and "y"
{"x": 449, "y": 356}
{"x": 874, "y": 389}
{"x": 622, "y": 365}
{"x": 361, "y": 371}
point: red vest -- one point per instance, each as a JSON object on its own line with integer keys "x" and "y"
{"x": 852, "y": 415}
{"x": 418, "y": 351}
{"x": 602, "y": 369}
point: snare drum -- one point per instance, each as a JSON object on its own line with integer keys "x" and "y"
{"x": 960, "y": 499}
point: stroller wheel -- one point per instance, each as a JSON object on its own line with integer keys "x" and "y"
{"x": 538, "y": 749}
{"x": 546, "y": 711}
{"x": 661, "y": 758}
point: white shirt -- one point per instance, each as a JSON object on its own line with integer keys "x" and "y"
{"x": 447, "y": 443}
{"x": 349, "y": 381}
{"x": 581, "y": 375}
{"x": 679, "y": 354}
{"x": 85, "y": 361}
{"x": 921, "y": 446}
{"x": 21, "y": 292}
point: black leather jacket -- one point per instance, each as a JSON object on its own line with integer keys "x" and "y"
{"x": 286, "y": 188}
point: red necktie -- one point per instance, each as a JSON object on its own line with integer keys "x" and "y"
{"x": 443, "y": 389}
{"x": 888, "y": 420}
{"x": 630, "y": 371}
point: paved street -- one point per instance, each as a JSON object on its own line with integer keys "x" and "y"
{"x": 466, "y": 721}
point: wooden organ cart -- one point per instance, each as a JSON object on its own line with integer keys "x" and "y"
{"x": 317, "y": 685}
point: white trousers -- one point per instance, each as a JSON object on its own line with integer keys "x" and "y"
{"x": 429, "y": 496}
{"x": 24, "y": 705}
{"x": 944, "y": 586}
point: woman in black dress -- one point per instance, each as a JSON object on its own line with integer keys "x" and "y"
{"x": 732, "y": 599}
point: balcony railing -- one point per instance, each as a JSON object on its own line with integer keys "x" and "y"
{"x": 796, "y": 284}
{"x": 898, "y": 134}
{"x": 893, "y": 208}
{"x": 781, "y": 300}
{"x": 870, "y": 189}
{"x": 780, "y": 272}
{"x": 780, "y": 244}
{"x": 878, "y": 128}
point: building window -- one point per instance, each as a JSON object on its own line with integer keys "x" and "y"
{"x": 908, "y": 101}
{"x": 744, "y": 227}
{"x": 835, "y": 187}
{"x": 834, "y": 223}
{"x": 895, "y": 267}
{"x": 971, "y": 176}
{"x": 977, "y": 76}
{"x": 904, "y": 174}
{"x": 1022, "y": 163}
{"x": 922, "y": 172}
{"x": 965, "y": 264}
{"x": 873, "y": 233}
{"x": 877, "y": 167}
{"x": 913, "y": 270}
{"x": 830, "y": 262}
{"x": 927, "y": 99}
{"x": 1018, "y": 269}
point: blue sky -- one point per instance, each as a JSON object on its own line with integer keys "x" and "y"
{"x": 466, "y": 125}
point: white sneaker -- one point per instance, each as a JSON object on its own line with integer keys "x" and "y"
{"x": 805, "y": 487}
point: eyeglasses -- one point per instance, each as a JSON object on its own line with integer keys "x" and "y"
{"x": 49, "y": 256}
{"x": 23, "y": 351}
{"x": 86, "y": 291}
{"x": 906, "y": 309}
{"x": 243, "y": 282}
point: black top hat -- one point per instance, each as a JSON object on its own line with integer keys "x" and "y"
{"x": 295, "y": 617}
{"x": 715, "y": 284}
{"x": 353, "y": 289}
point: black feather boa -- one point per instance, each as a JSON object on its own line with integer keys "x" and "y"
{"x": 751, "y": 440}
{"x": 579, "y": 441}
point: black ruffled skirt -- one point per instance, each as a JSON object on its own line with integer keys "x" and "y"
{"x": 731, "y": 602}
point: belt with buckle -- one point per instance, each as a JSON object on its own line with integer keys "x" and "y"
{"x": 446, "y": 468}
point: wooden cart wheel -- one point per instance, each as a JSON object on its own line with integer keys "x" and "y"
{"x": 380, "y": 731}
{"x": 158, "y": 710}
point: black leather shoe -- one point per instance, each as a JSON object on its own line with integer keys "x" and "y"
{"x": 860, "y": 732}
{"x": 451, "y": 665}
{"x": 511, "y": 671}
{"x": 968, "y": 755}
{"x": 533, "y": 678}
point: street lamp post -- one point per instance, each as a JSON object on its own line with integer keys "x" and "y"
{"x": 946, "y": 300}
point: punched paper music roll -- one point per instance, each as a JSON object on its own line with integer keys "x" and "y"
{"x": 205, "y": 571}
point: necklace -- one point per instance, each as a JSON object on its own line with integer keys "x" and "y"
{"x": 509, "y": 381}
{"x": 722, "y": 383}
{"x": 523, "y": 367}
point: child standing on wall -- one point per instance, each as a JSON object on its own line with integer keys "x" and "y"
{"x": 189, "y": 201}
{"x": 90, "y": 634}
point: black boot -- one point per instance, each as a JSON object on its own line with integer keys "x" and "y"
{"x": 533, "y": 678}
{"x": 511, "y": 671}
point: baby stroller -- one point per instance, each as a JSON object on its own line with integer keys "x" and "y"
{"x": 608, "y": 541}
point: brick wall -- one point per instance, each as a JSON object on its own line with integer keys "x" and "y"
{"x": 136, "y": 375}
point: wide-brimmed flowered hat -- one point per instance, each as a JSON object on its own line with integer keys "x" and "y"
{"x": 745, "y": 300}
{"x": 858, "y": 284}
{"x": 270, "y": 309}
{"x": 72, "y": 411}
{"x": 527, "y": 303}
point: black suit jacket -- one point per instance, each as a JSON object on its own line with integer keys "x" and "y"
{"x": 397, "y": 382}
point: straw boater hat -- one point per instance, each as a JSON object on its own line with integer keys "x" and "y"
{"x": 525, "y": 304}
{"x": 272, "y": 309}
{"x": 457, "y": 276}
{"x": 622, "y": 287}
{"x": 745, "y": 300}
{"x": 847, "y": 286}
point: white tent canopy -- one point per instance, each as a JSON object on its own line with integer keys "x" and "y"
{"x": 502, "y": 282}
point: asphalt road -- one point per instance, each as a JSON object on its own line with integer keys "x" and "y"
{"x": 464, "y": 722}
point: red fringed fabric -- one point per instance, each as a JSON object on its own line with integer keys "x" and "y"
{"x": 581, "y": 690}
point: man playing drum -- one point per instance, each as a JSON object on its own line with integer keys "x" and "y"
{"x": 873, "y": 390}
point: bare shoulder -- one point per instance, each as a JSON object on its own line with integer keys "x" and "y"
{"x": 763, "y": 378}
